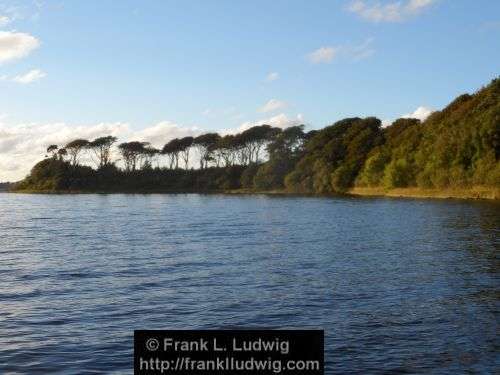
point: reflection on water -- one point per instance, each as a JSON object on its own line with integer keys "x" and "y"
{"x": 398, "y": 285}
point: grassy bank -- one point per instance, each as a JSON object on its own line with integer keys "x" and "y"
{"x": 476, "y": 192}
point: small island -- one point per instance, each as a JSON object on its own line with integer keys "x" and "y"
{"x": 453, "y": 153}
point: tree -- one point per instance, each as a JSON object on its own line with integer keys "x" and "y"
{"x": 101, "y": 148}
{"x": 148, "y": 156}
{"x": 255, "y": 138}
{"x": 62, "y": 153}
{"x": 343, "y": 146}
{"x": 52, "y": 150}
{"x": 172, "y": 150}
{"x": 75, "y": 148}
{"x": 287, "y": 143}
{"x": 205, "y": 145}
{"x": 284, "y": 151}
{"x": 458, "y": 146}
{"x": 184, "y": 148}
{"x": 402, "y": 132}
{"x": 132, "y": 153}
{"x": 226, "y": 147}
{"x": 240, "y": 149}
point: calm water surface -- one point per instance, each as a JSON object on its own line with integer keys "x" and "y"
{"x": 399, "y": 286}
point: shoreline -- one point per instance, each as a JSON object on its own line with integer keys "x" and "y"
{"x": 475, "y": 193}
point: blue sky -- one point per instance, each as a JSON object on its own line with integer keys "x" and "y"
{"x": 215, "y": 64}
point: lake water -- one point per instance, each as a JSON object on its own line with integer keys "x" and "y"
{"x": 403, "y": 286}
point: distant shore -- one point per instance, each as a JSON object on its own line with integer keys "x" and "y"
{"x": 478, "y": 192}
{"x": 454, "y": 153}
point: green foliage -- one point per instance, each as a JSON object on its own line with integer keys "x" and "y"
{"x": 284, "y": 151}
{"x": 334, "y": 156}
{"x": 57, "y": 175}
{"x": 271, "y": 175}
{"x": 45, "y": 175}
{"x": 54, "y": 175}
{"x": 373, "y": 170}
{"x": 458, "y": 147}
{"x": 248, "y": 175}
{"x": 397, "y": 174}
{"x": 391, "y": 163}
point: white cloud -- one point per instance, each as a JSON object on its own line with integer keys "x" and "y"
{"x": 273, "y": 76}
{"x": 322, "y": 55}
{"x": 4, "y": 20}
{"x": 163, "y": 132}
{"x": 31, "y": 76}
{"x": 386, "y": 123}
{"x": 420, "y": 113}
{"x": 14, "y": 45}
{"x": 272, "y": 105}
{"x": 354, "y": 52}
{"x": 280, "y": 121}
{"x": 394, "y": 11}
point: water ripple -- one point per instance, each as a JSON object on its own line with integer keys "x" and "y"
{"x": 395, "y": 292}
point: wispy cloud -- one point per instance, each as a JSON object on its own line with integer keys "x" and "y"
{"x": 360, "y": 51}
{"x": 354, "y": 52}
{"x": 31, "y": 76}
{"x": 273, "y": 76}
{"x": 393, "y": 11}
{"x": 4, "y": 20}
{"x": 226, "y": 113}
{"x": 490, "y": 26}
{"x": 14, "y": 45}
{"x": 26, "y": 10}
{"x": 272, "y": 105}
{"x": 322, "y": 55}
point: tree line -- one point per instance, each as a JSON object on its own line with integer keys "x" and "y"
{"x": 458, "y": 146}
{"x": 213, "y": 149}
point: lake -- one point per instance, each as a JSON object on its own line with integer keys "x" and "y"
{"x": 402, "y": 286}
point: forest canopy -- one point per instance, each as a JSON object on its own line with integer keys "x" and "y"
{"x": 457, "y": 147}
